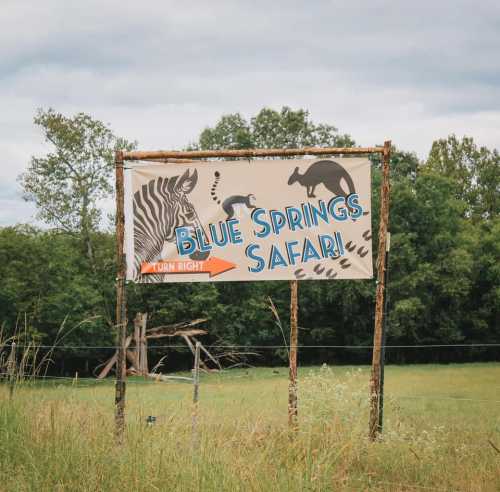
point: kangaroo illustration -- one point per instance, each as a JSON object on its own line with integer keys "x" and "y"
{"x": 231, "y": 202}
{"x": 328, "y": 173}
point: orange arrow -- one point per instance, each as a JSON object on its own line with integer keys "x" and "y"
{"x": 213, "y": 266}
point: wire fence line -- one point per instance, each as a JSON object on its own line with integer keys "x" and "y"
{"x": 261, "y": 347}
{"x": 77, "y": 380}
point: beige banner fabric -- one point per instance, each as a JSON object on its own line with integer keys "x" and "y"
{"x": 307, "y": 219}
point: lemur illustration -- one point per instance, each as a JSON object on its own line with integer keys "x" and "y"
{"x": 326, "y": 172}
{"x": 229, "y": 204}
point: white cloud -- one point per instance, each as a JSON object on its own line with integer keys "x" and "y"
{"x": 160, "y": 72}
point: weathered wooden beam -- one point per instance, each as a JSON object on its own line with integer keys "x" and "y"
{"x": 105, "y": 371}
{"x": 170, "y": 161}
{"x": 209, "y": 355}
{"x": 131, "y": 357}
{"x": 144, "y": 366}
{"x": 179, "y": 333}
{"x": 196, "y": 396}
{"x": 379, "y": 305}
{"x": 121, "y": 315}
{"x": 176, "y": 326}
{"x": 137, "y": 340}
{"x": 193, "y": 350}
{"x": 112, "y": 361}
{"x": 205, "y": 154}
{"x": 292, "y": 384}
{"x": 160, "y": 377}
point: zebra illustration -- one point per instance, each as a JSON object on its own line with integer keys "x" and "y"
{"x": 160, "y": 206}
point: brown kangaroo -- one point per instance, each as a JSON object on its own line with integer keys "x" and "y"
{"x": 328, "y": 173}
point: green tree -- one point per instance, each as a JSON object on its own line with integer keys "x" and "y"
{"x": 428, "y": 254}
{"x": 46, "y": 284}
{"x": 475, "y": 172}
{"x": 68, "y": 183}
{"x": 271, "y": 129}
{"x": 481, "y": 312}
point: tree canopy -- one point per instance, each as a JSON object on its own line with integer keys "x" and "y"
{"x": 67, "y": 183}
{"x": 271, "y": 129}
{"x": 444, "y": 285}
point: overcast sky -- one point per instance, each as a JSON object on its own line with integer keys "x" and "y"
{"x": 159, "y": 71}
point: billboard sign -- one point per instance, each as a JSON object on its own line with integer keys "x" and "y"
{"x": 248, "y": 220}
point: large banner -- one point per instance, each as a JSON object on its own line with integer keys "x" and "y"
{"x": 306, "y": 219}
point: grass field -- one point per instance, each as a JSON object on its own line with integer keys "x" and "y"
{"x": 439, "y": 421}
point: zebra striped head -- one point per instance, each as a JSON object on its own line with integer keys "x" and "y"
{"x": 160, "y": 206}
{"x": 185, "y": 215}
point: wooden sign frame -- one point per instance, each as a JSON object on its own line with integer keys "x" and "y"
{"x": 166, "y": 156}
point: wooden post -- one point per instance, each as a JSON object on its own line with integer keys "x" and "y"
{"x": 196, "y": 373}
{"x": 121, "y": 315}
{"x": 292, "y": 385}
{"x": 144, "y": 345}
{"x": 141, "y": 348}
{"x": 384, "y": 336}
{"x": 11, "y": 370}
{"x": 379, "y": 306}
{"x": 196, "y": 394}
{"x": 137, "y": 341}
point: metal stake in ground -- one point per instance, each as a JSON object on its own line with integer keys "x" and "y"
{"x": 196, "y": 393}
{"x": 379, "y": 306}
{"x": 121, "y": 315}
{"x": 11, "y": 370}
{"x": 292, "y": 387}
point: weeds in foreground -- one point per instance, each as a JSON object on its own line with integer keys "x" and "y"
{"x": 61, "y": 438}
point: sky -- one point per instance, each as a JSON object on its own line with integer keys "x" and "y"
{"x": 160, "y": 71}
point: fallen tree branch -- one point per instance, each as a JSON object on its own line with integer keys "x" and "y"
{"x": 111, "y": 362}
{"x": 176, "y": 326}
{"x": 161, "y": 377}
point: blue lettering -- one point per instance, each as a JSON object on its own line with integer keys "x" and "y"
{"x": 328, "y": 247}
{"x": 234, "y": 233}
{"x": 278, "y": 220}
{"x": 322, "y": 212}
{"x": 200, "y": 236}
{"x": 224, "y": 236}
{"x": 291, "y": 253}
{"x": 342, "y": 214}
{"x": 354, "y": 207}
{"x": 294, "y": 216}
{"x": 309, "y": 252}
{"x": 266, "y": 228}
{"x": 260, "y": 261}
{"x": 340, "y": 243}
{"x": 307, "y": 213}
{"x": 185, "y": 243}
{"x": 276, "y": 258}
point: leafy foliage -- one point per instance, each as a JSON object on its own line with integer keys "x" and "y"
{"x": 67, "y": 183}
{"x": 444, "y": 270}
{"x": 271, "y": 129}
{"x": 475, "y": 173}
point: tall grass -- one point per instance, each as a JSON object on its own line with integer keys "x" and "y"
{"x": 60, "y": 436}
{"x": 21, "y": 356}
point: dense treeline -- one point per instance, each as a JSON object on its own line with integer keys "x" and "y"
{"x": 444, "y": 284}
